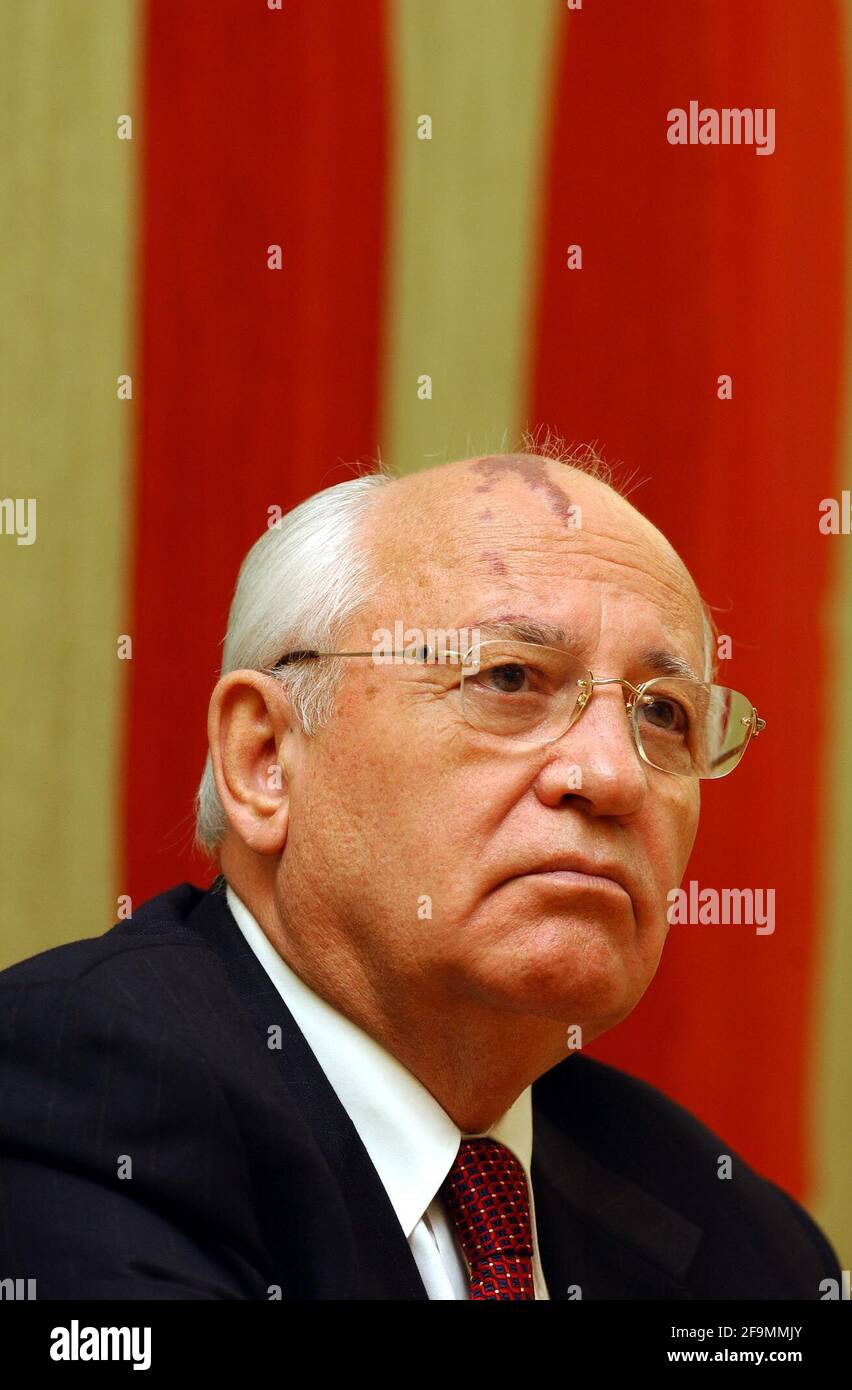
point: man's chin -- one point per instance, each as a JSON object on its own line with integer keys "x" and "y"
{"x": 592, "y": 982}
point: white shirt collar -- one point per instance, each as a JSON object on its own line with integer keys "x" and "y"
{"x": 410, "y": 1138}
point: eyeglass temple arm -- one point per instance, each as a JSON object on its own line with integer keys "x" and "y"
{"x": 311, "y": 655}
{"x": 291, "y": 657}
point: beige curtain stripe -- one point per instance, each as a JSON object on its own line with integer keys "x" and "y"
{"x": 464, "y": 221}
{"x": 66, "y": 268}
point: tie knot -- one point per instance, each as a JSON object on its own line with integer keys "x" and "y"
{"x": 486, "y": 1195}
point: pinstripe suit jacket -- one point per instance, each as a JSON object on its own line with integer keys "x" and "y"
{"x": 153, "y": 1145}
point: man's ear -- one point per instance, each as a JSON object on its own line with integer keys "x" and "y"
{"x": 251, "y": 732}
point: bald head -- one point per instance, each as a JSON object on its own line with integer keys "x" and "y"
{"x": 511, "y": 522}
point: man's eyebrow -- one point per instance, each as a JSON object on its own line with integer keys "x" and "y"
{"x": 667, "y": 664}
{"x": 522, "y": 628}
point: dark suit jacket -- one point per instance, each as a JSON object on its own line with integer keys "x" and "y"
{"x": 150, "y": 1046}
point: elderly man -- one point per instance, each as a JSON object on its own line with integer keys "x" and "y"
{"x": 353, "y": 1068}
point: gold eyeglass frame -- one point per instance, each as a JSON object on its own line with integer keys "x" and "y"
{"x": 753, "y": 723}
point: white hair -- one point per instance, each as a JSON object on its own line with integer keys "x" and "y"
{"x": 710, "y": 643}
{"x": 298, "y": 587}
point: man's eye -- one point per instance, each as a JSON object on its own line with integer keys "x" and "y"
{"x": 508, "y": 679}
{"x": 666, "y": 715}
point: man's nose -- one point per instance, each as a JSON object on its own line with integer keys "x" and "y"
{"x": 596, "y": 761}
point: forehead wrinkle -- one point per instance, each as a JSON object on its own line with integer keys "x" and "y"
{"x": 669, "y": 591}
{"x": 439, "y": 544}
{"x": 523, "y": 627}
{"x": 681, "y": 625}
{"x": 651, "y": 544}
{"x": 525, "y": 563}
{"x": 653, "y": 553}
{"x": 532, "y": 536}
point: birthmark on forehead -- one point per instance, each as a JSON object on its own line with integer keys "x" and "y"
{"x": 533, "y": 471}
{"x": 492, "y": 561}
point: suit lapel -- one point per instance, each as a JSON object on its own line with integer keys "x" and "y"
{"x": 383, "y": 1266}
{"x": 599, "y": 1233}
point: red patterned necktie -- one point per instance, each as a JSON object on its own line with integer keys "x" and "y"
{"x": 486, "y": 1194}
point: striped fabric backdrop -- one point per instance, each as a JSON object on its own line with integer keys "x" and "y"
{"x": 255, "y": 126}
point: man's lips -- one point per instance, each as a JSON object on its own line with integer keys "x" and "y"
{"x": 590, "y": 875}
{"x": 567, "y": 878}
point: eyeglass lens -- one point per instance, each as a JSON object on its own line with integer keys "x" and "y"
{"x": 534, "y": 694}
